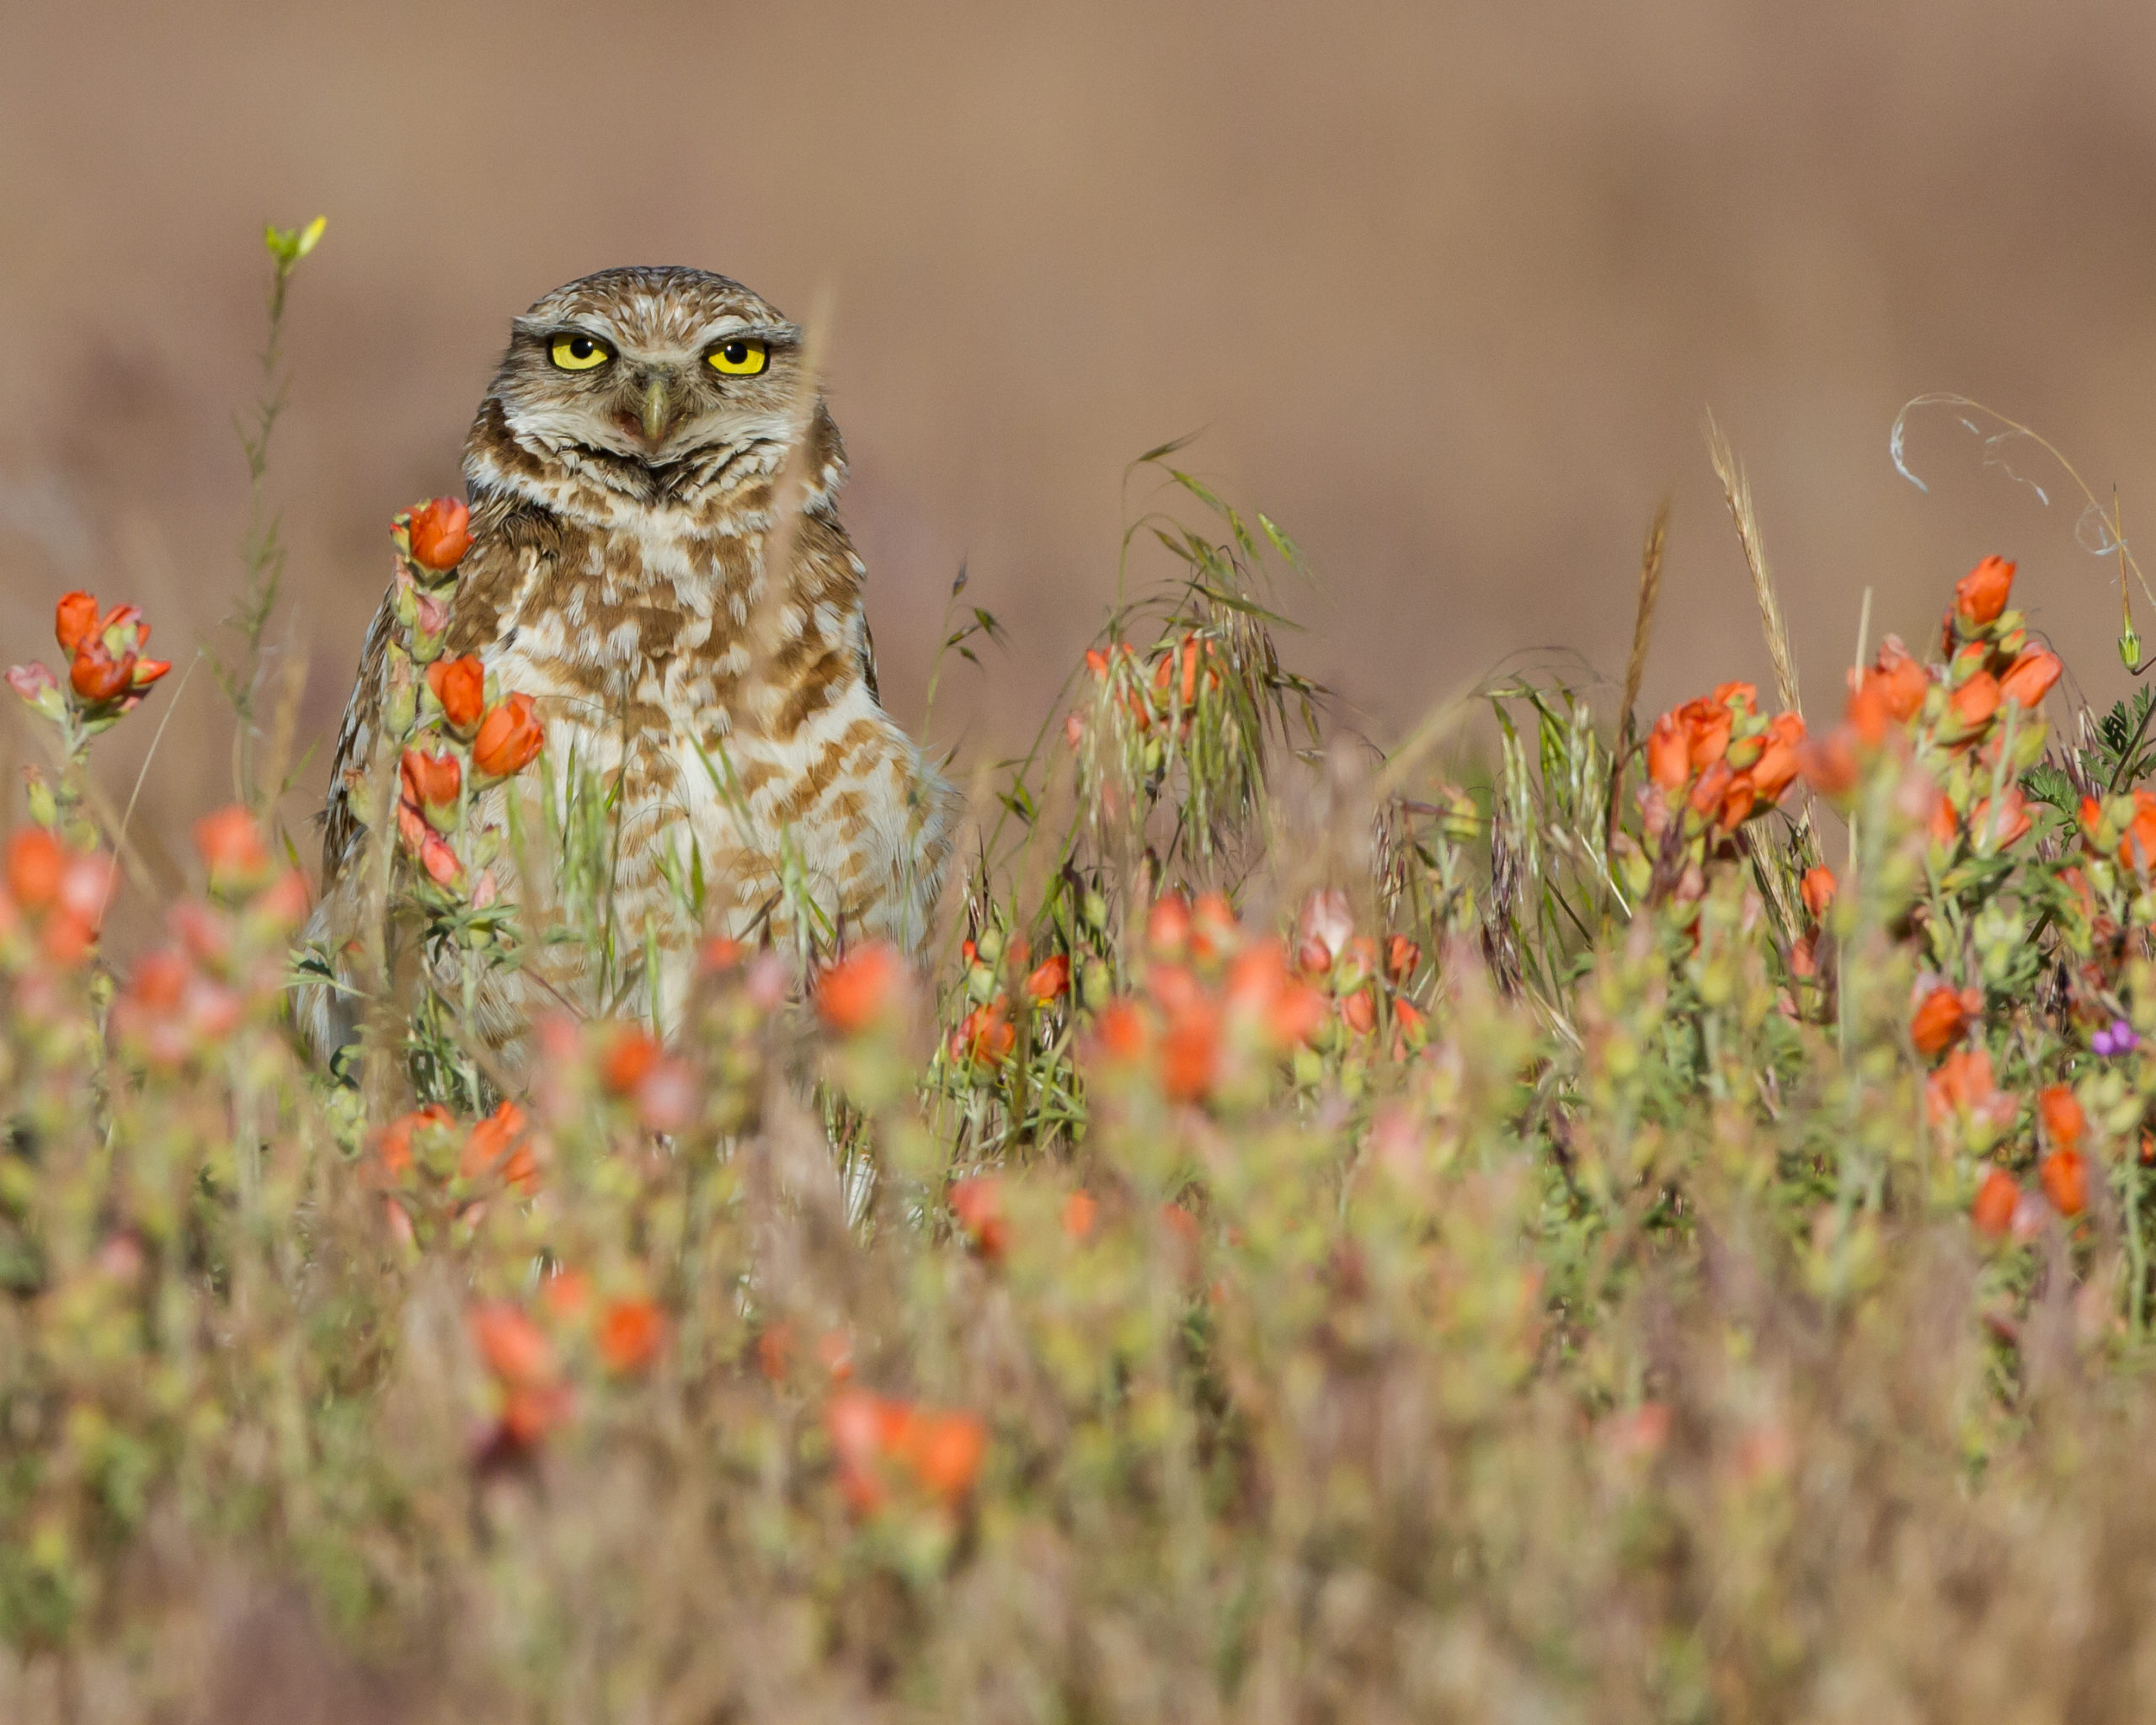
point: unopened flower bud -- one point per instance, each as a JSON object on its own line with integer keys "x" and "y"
{"x": 2130, "y": 648}
{"x": 44, "y": 810}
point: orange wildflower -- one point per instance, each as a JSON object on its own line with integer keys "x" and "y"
{"x": 1964, "y": 1085}
{"x": 394, "y": 1146}
{"x": 439, "y": 533}
{"x": 567, "y": 1293}
{"x": 1940, "y": 1018}
{"x": 1976, "y": 701}
{"x": 1998, "y": 828}
{"x": 1079, "y": 1212}
{"x": 1190, "y": 1053}
{"x": 631, "y": 1053}
{"x": 1050, "y": 981}
{"x": 978, "y": 1204}
{"x": 1669, "y": 752}
{"x": 2138, "y": 848}
{"x": 1993, "y": 1212}
{"x": 1818, "y": 888}
{"x": 496, "y": 1145}
{"x": 2063, "y": 1119}
{"x": 1776, "y": 768}
{"x": 629, "y": 1334}
{"x": 1259, "y": 990}
{"x": 2030, "y": 678}
{"x": 510, "y": 737}
{"x": 985, "y": 1034}
{"x": 231, "y": 844}
{"x": 1981, "y": 595}
{"x": 36, "y": 864}
{"x": 1168, "y": 927}
{"x": 514, "y": 1348}
{"x": 461, "y": 686}
{"x": 945, "y": 1452}
{"x": 1896, "y": 683}
{"x": 74, "y": 621}
{"x": 429, "y": 780}
{"x": 2065, "y": 1175}
{"x": 857, "y": 988}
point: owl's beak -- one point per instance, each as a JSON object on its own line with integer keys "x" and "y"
{"x": 660, "y": 409}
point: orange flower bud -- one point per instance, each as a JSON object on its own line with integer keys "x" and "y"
{"x": 629, "y": 1334}
{"x": 439, "y": 533}
{"x": 231, "y": 844}
{"x": 1818, "y": 888}
{"x": 2062, "y": 1116}
{"x": 1050, "y": 981}
{"x": 461, "y": 686}
{"x": 514, "y": 1348}
{"x": 1992, "y": 1213}
{"x": 75, "y": 620}
{"x": 1079, "y": 1211}
{"x": 631, "y": 1053}
{"x": 394, "y": 1146}
{"x": 1121, "y": 1032}
{"x": 429, "y": 780}
{"x": 2065, "y": 1175}
{"x": 1897, "y": 682}
{"x": 945, "y": 1451}
{"x": 496, "y": 1145}
{"x": 985, "y": 1034}
{"x": 2030, "y": 678}
{"x": 1939, "y": 1021}
{"x": 97, "y": 676}
{"x": 1669, "y": 752}
{"x": 1190, "y": 1054}
{"x": 1976, "y": 701}
{"x": 1776, "y": 768}
{"x": 856, "y": 989}
{"x": 36, "y": 862}
{"x": 978, "y": 1204}
{"x": 1168, "y": 927}
{"x": 509, "y": 740}
{"x": 1981, "y": 595}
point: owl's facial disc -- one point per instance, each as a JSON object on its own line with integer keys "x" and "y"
{"x": 659, "y": 368}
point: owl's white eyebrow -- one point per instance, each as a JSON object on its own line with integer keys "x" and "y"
{"x": 551, "y": 329}
{"x": 732, "y": 328}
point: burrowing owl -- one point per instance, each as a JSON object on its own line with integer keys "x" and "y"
{"x": 650, "y": 444}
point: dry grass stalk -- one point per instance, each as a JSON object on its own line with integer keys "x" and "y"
{"x": 1636, "y": 666}
{"x": 1736, "y": 492}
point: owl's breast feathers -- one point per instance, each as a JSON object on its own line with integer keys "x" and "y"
{"x": 739, "y": 712}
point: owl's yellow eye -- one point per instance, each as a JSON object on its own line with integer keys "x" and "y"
{"x": 744, "y": 358}
{"x": 578, "y": 353}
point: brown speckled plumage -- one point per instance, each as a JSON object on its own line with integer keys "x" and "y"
{"x": 618, "y": 575}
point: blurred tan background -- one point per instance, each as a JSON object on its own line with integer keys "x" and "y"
{"x": 1446, "y": 288}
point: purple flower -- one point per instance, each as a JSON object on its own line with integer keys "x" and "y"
{"x": 2120, "y": 1039}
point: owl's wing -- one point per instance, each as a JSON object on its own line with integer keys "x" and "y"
{"x": 868, "y": 658}
{"x": 342, "y": 827}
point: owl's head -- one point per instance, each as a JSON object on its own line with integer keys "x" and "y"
{"x": 652, "y": 368}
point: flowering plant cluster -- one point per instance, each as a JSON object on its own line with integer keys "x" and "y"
{"x": 1298, "y": 1243}
{"x": 455, "y": 735}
